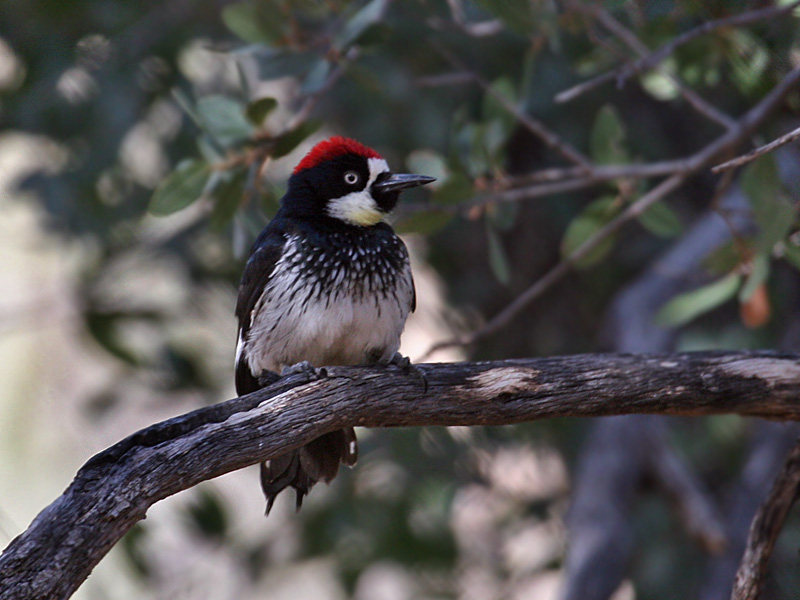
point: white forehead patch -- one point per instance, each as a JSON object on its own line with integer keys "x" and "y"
{"x": 360, "y": 208}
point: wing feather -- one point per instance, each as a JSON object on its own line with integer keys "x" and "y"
{"x": 257, "y": 271}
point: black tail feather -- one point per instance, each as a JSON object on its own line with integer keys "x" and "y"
{"x": 302, "y": 468}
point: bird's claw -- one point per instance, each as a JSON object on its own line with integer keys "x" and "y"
{"x": 267, "y": 378}
{"x": 405, "y": 364}
{"x": 304, "y": 368}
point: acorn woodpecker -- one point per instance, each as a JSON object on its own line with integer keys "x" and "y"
{"x": 328, "y": 282}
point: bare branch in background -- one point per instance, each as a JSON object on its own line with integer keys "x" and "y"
{"x": 760, "y": 151}
{"x": 764, "y": 531}
{"x": 634, "y": 43}
{"x": 536, "y": 127}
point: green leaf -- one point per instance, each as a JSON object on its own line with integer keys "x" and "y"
{"x": 759, "y": 271}
{"x": 224, "y": 119}
{"x": 290, "y": 140}
{"x": 242, "y": 19}
{"x": 258, "y": 110}
{"x": 791, "y": 252}
{"x": 661, "y": 220}
{"x": 359, "y": 23}
{"x": 771, "y": 209}
{"x": 585, "y": 225}
{"x": 497, "y": 257}
{"x": 494, "y": 110}
{"x": 686, "y": 307}
{"x": 503, "y": 215}
{"x": 607, "y": 139}
{"x": 749, "y": 58}
{"x": 227, "y": 195}
{"x": 180, "y": 188}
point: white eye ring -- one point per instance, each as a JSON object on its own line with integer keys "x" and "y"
{"x": 351, "y": 178}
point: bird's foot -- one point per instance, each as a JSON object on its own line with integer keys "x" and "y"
{"x": 267, "y": 378}
{"x": 304, "y": 368}
{"x": 398, "y": 360}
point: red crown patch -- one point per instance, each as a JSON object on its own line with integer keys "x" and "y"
{"x": 331, "y": 148}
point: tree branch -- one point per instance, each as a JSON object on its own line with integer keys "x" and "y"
{"x": 115, "y": 488}
{"x": 765, "y": 529}
{"x": 760, "y": 151}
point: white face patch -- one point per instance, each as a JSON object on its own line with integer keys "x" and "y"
{"x": 360, "y": 208}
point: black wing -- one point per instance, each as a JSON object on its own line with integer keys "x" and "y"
{"x": 265, "y": 254}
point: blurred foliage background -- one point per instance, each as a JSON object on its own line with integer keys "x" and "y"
{"x": 143, "y": 146}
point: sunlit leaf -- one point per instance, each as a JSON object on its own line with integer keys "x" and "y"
{"x": 661, "y": 220}
{"x": 585, "y": 225}
{"x": 607, "y": 139}
{"x": 686, "y": 307}
{"x": 180, "y": 188}
{"x": 258, "y": 110}
{"x": 498, "y": 261}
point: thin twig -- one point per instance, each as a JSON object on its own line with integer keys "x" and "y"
{"x": 530, "y": 123}
{"x": 696, "y": 162}
{"x": 622, "y": 73}
{"x": 548, "y": 182}
{"x": 760, "y": 151}
{"x": 765, "y": 528}
{"x": 703, "y": 107}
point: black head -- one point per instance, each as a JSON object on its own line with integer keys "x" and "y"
{"x": 346, "y": 180}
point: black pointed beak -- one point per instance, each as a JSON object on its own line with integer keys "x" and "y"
{"x": 401, "y": 181}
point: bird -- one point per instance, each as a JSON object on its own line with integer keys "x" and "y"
{"x": 328, "y": 282}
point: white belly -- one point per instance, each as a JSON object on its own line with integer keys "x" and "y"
{"x": 290, "y": 325}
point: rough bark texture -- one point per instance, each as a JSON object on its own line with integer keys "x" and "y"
{"x": 114, "y": 489}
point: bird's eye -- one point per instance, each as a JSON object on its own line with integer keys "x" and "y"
{"x": 351, "y": 178}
